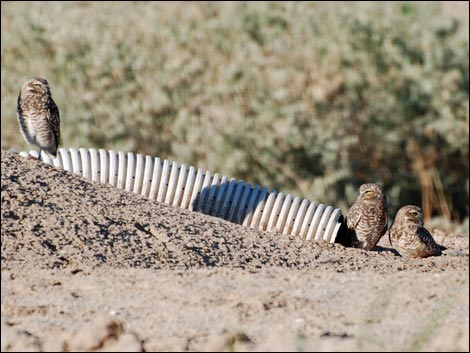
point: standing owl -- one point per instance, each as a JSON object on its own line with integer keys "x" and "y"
{"x": 408, "y": 235}
{"x": 38, "y": 116}
{"x": 367, "y": 218}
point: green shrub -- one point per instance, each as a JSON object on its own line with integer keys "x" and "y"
{"x": 308, "y": 98}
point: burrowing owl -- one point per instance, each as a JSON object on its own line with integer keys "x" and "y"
{"x": 408, "y": 235}
{"x": 38, "y": 116}
{"x": 367, "y": 218}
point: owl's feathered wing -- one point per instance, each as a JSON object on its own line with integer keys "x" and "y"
{"x": 352, "y": 220}
{"x": 21, "y": 119}
{"x": 430, "y": 246}
{"x": 54, "y": 121}
{"x": 353, "y": 217}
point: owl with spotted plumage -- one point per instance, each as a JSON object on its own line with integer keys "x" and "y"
{"x": 367, "y": 218}
{"x": 408, "y": 235}
{"x": 38, "y": 116}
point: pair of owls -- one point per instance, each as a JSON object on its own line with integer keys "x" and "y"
{"x": 367, "y": 223}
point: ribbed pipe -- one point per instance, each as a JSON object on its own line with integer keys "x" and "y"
{"x": 200, "y": 191}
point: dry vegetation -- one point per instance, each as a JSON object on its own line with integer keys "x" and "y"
{"x": 308, "y": 98}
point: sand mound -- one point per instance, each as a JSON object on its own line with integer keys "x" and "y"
{"x": 90, "y": 267}
{"x": 67, "y": 221}
{"x": 54, "y": 219}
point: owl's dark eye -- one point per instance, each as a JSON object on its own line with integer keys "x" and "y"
{"x": 413, "y": 213}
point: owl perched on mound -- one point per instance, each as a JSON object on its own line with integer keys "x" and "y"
{"x": 38, "y": 116}
{"x": 408, "y": 235}
{"x": 367, "y": 218}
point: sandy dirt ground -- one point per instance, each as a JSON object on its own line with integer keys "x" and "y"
{"x": 90, "y": 267}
